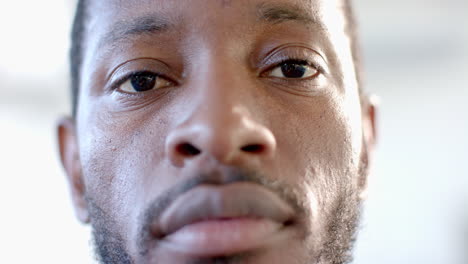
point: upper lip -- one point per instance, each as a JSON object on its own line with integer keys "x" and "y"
{"x": 211, "y": 202}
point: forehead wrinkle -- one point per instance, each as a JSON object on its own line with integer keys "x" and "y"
{"x": 144, "y": 25}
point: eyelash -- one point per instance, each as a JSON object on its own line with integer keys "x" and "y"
{"x": 128, "y": 76}
{"x": 291, "y": 60}
{"x": 300, "y": 61}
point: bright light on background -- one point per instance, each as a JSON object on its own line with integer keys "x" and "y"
{"x": 36, "y": 223}
{"x": 33, "y": 36}
{"x": 416, "y": 55}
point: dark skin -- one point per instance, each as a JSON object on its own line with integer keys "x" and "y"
{"x": 218, "y": 105}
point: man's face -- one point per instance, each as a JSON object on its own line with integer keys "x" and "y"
{"x": 216, "y": 131}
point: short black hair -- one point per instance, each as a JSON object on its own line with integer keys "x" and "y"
{"x": 78, "y": 44}
{"x": 76, "y": 51}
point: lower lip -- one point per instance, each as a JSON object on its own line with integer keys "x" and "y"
{"x": 222, "y": 237}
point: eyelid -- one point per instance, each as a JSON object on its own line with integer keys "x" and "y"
{"x": 127, "y": 69}
{"x": 290, "y": 52}
{"x": 312, "y": 64}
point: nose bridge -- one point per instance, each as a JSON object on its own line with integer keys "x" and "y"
{"x": 220, "y": 123}
{"x": 220, "y": 90}
{"x": 221, "y": 77}
{"x": 222, "y": 96}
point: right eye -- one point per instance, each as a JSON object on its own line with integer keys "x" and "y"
{"x": 144, "y": 81}
{"x": 294, "y": 69}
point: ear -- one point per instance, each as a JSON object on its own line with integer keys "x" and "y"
{"x": 369, "y": 116}
{"x": 369, "y": 127}
{"x": 69, "y": 155}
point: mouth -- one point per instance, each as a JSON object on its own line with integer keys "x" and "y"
{"x": 214, "y": 220}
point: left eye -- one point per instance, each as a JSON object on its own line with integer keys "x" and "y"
{"x": 145, "y": 81}
{"x": 293, "y": 69}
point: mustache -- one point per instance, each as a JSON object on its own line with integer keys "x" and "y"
{"x": 156, "y": 208}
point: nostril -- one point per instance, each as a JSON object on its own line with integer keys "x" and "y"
{"x": 254, "y": 148}
{"x": 187, "y": 149}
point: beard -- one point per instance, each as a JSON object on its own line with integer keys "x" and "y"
{"x": 109, "y": 246}
{"x": 341, "y": 230}
{"x": 337, "y": 237}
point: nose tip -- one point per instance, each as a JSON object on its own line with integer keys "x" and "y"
{"x": 228, "y": 145}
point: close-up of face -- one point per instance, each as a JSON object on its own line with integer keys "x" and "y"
{"x": 217, "y": 131}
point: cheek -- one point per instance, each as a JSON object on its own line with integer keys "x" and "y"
{"x": 119, "y": 156}
{"x": 343, "y": 126}
{"x": 323, "y": 135}
{"x": 319, "y": 148}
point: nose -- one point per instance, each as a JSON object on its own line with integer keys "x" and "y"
{"x": 222, "y": 120}
{"x": 220, "y": 123}
{"x": 228, "y": 135}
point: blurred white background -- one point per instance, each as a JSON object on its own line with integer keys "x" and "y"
{"x": 416, "y": 56}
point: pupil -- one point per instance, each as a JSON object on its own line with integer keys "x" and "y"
{"x": 293, "y": 70}
{"x": 143, "y": 82}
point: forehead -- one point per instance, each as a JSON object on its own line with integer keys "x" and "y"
{"x": 110, "y": 21}
{"x": 189, "y": 6}
{"x": 107, "y": 13}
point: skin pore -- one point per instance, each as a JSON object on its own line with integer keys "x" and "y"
{"x": 244, "y": 117}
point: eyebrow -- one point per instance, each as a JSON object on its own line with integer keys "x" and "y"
{"x": 275, "y": 14}
{"x": 149, "y": 25}
{"x": 153, "y": 23}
